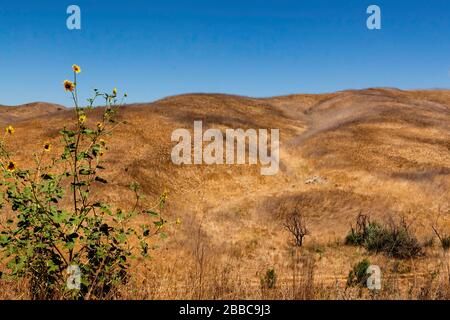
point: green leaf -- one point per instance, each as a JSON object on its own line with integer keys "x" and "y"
{"x": 159, "y": 223}
{"x": 47, "y": 176}
{"x": 67, "y": 133}
{"x": 106, "y": 209}
{"x": 101, "y": 180}
{"x": 144, "y": 248}
{"x": 83, "y": 155}
{"x": 88, "y": 132}
{"x": 122, "y": 237}
{"x": 96, "y": 150}
{"x": 163, "y": 235}
{"x": 86, "y": 171}
{"x": 69, "y": 245}
{"x": 152, "y": 213}
{"x": 51, "y": 266}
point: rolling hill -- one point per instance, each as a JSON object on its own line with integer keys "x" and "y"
{"x": 383, "y": 152}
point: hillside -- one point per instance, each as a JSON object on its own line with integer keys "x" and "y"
{"x": 11, "y": 114}
{"x": 383, "y": 152}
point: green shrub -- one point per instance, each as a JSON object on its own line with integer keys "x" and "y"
{"x": 357, "y": 235}
{"x": 358, "y": 275}
{"x": 400, "y": 242}
{"x": 269, "y": 280}
{"x": 395, "y": 239}
{"x": 354, "y": 238}
{"x": 376, "y": 237}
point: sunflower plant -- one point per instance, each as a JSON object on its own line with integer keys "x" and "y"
{"x": 55, "y": 224}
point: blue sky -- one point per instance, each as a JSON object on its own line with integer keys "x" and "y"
{"x": 154, "y": 49}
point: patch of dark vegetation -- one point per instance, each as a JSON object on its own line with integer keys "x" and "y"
{"x": 358, "y": 275}
{"x": 269, "y": 280}
{"x": 444, "y": 239}
{"x": 424, "y": 175}
{"x": 394, "y": 239}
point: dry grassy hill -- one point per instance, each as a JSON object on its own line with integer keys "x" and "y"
{"x": 27, "y": 111}
{"x": 383, "y": 152}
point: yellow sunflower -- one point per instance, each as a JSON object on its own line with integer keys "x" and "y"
{"x": 11, "y": 166}
{"x": 47, "y": 147}
{"x": 99, "y": 125}
{"x": 76, "y": 68}
{"x": 10, "y": 130}
{"x": 69, "y": 85}
{"x": 115, "y": 91}
{"x": 82, "y": 118}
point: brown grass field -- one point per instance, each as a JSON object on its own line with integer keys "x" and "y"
{"x": 380, "y": 152}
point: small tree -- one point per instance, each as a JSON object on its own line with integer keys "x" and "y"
{"x": 296, "y": 225}
{"x": 57, "y": 225}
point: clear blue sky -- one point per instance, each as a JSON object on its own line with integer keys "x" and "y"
{"x": 259, "y": 48}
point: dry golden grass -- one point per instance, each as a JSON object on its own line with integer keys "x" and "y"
{"x": 383, "y": 152}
